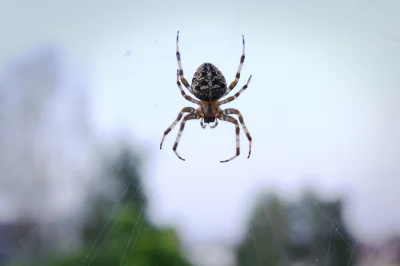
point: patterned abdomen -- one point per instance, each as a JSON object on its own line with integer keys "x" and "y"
{"x": 208, "y": 83}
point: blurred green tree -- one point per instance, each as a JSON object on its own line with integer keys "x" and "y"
{"x": 266, "y": 240}
{"x": 308, "y": 232}
{"x": 328, "y": 242}
{"x": 130, "y": 239}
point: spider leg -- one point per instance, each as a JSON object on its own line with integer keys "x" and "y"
{"x": 232, "y": 120}
{"x": 184, "y": 110}
{"x": 178, "y": 57}
{"x": 187, "y": 97}
{"x": 202, "y": 124}
{"x": 186, "y": 118}
{"x": 231, "y": 98}
{"x": 237, "y": 112}
{"x": 234, "y": 83}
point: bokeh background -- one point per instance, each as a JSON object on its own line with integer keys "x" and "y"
{"x": 87, "y": 89}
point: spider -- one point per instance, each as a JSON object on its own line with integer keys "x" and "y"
{"x": 209, "y": 86}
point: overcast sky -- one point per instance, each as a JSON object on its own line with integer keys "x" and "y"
{"x": 322, "y": 104}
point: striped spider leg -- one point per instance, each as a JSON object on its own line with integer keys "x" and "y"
{"x": 225, "y": 116}
{"x": 178, "y": 58}
{"x": 193, "y": 114}
{"x": 232, "y": 120}
{"x": 187, "y": 97}
{"x": 190, "y": 110}
{"x": 231, "y": 98}
{"x": 178, "y": 137}
{"x": 237, "y": 77}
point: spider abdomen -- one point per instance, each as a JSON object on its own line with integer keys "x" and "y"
{"x": 208, "y": 83}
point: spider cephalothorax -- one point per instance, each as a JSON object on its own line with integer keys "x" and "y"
{"x": 209, "y": 85}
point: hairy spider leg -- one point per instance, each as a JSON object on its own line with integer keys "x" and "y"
{"x": 184, "y": 110}
{"x": 231, "y": 98}
{"x": 187, "y": 97}
{"x": 234, "y": 83}
{"x": 237, "y": 112}
{"x": 186, "y": 118}
{"x": 178, "y": 57}
{"x": 235, "y": 122}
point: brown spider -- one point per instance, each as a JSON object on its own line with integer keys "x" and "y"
{"x": 209, "y": 85}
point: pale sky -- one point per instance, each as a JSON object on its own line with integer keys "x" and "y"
{"x": 322, "y": 101}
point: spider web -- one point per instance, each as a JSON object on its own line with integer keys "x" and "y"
{"x": 320, "y": 251}
{"x": 307, "y": 231}
{"x": 120, "y": 201}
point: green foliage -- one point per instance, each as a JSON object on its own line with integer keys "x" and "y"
{"x": 128, "y": 238}
{"x": 311, "y": 232}
{"x": 266, "y": 234}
